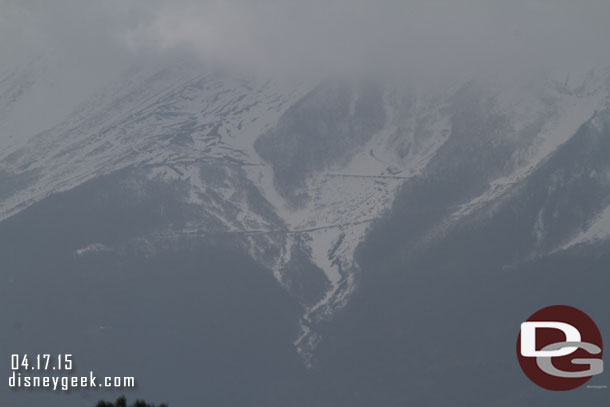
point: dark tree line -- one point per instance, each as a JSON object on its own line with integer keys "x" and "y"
{"x": 122, "y": 402}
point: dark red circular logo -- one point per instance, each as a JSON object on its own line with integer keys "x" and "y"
{"x": 560, "y": 348}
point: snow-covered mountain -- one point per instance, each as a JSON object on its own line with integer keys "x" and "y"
{"x": 297, "y": 172}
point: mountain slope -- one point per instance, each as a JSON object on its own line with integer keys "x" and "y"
{"x": 320, "y": 183}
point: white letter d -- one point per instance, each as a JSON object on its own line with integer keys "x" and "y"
{"x": 528, "y": 338}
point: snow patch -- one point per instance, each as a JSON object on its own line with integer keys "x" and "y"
{"x": 598, "y": 230}
{"x": 93, "y": 248}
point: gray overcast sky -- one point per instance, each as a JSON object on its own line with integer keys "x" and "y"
{"x": 327, "y": 35}
{"x": 89, "y": 41}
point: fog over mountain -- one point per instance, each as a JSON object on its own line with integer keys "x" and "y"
{"x": 88, "y": 43}
{"x": 340, "y": 203}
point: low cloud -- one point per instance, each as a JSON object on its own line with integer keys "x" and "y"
{"x": 335, "y": 35}
{"x": 93, "y": 40}
{"x": 432, "y": 38}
